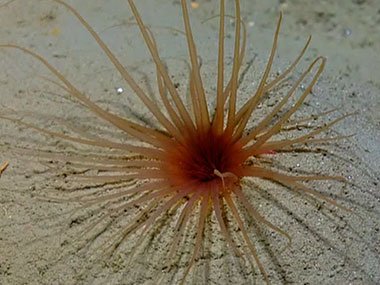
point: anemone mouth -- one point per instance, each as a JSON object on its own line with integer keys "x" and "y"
{"x": 204, "y": 157}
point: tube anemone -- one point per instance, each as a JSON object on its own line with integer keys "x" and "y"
{"x": 196, "y": 161}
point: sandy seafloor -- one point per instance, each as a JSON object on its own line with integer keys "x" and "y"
{"x": 39, "y": 240}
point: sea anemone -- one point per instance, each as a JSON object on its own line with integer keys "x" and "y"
{"x": 196, "y": 162}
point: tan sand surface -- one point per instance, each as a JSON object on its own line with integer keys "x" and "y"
{"x": 39, "y": 239}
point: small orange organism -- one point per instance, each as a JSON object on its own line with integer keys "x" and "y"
{"x": 3, "y": 167}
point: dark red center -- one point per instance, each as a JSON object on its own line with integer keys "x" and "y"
{"x": 202, "y": 155}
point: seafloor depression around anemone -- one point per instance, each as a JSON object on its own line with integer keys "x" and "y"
{"x": 195, "y": 161}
